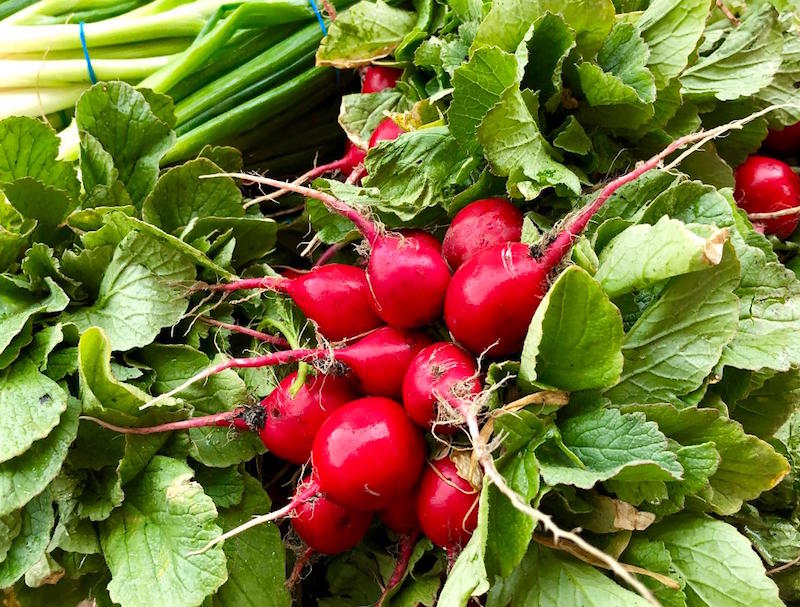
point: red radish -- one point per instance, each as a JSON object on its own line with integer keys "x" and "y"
{"x": 335, "y": 296}
{"x": 479, "y": 225}
{"x": 367, "y": 454}
{"x": 387, "y": 130}
{"x": 378, "y": 78}
{"x": 292, "y": 421}
{"x": 286, "y": 424}
{"x": 784, "y": 141}
{"x": 327, "y": 527}
{"x": 377, "y": 362}
{"x": 492, "y": 297}
{"x": 406, "y": 273}
{"x": 766, "y": 185}
{"x": 408, "y": 278}
{"x": 401, "y": 515}
{"x": 441, "y": 372}
{"x": 447, "y": 505}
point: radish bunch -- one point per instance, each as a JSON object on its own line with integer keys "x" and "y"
{"x": 361, "y": 419}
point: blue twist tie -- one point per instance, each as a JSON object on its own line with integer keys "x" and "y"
{"x": 315, "y": 8}
{"x": 89, "y": 67}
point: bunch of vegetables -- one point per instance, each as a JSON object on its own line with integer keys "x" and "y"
{"x": 562, "y": 365}
{"x": 232, "y": 69}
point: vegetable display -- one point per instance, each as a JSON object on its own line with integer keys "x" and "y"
{"x": 532, "y": 341}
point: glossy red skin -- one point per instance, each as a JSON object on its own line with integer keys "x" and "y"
{"x": 479, "y": 225}
{"x": 292, "y": 422}
{"x": 492, "y": 298}
{"x": 328, "y": 528}
{"x": 766, "y": 185}
{"x": 408, "y": 278}
{"x": 387, "y": 130}
{"x": 379, "y": 361}
{"x": 401, "y": 515}
{"x": 353, "y": 156}
{"x": 367, "y": 454}
{"x": 336, "y": 297}
{"x": 436, "y": 371}
{"x": 784, "y": 141}
{"x": 378, "y": 78}
{"x": 447, "y": 505}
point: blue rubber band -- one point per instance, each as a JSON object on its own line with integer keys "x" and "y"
{"x": 89, "y": 67}
{"x": 315, "y": 8}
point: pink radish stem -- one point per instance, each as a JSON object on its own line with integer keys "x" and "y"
{"x": 265, "y": 337}
{"x": 226, "y": 418}
{"x": 403, "y": 559}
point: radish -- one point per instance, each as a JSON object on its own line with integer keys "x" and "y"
{"x": 766, "y": 185}
{"x": 447, "y": 505}
{"x": 335, "y": 296}
{"x": 286, "y": 424}
{"x": 367, "y": 454}
{"x": 377, "y": 78}
{"x": 492, "y": 297}
{"x": 401, "y": 515}
{"x": 292, "y": 422}
{"x": 407, "y": 276}
{"x": 327, "y": 527}
{"x": 377, "y": 362}
{"x": 441, "y": 372}
{"x": 479, "y": 225}
{"x": 387, "y": 130}
{"x": 784, "y": 141}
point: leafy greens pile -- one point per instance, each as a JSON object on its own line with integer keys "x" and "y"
{"x": 655, "y": 401}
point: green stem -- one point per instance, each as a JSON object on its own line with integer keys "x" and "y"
{"x": 67, "y": 71}
{"x": 252, "y": 113}
{"x": 294, "y": 343}
{"x": 257, "y": 69}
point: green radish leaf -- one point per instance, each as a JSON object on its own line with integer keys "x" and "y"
{"x": 36, "y": 522}
{"x": 10, "y": 526}
{"x": 748, "y": 466}
{"x": 44, "y": 572}
{"x": 620, "y": 75}
{"x": 671, "y": 31}
{"x": 776, "y": 539}
{"x": 227, "y": 158}
{"x": 729, "y": 574}
{"x": 416, "y": 171}
{"x": 118, "y": 126}
{"x": 29, "y": 148}
{"x": 665, "y": 360}
{"x": 30, "y": 407}
{"x": 223, "y": 485}
{"x": 20, "y": 341}
{"x": 768, "y": 404}
{"x": 180, "y": 197}
{"x": 551, "y": 578}
{"x": 644, "y": 255}
{"x": 575, "y": 338}
{"x": 147, "y": 541}
{"x": 689, "y": 202}
{"x": 254, "y": 236}
{"x": 572, "y": 138}
{"x": 140, "y": 293}
{"x": 781, "y": 89}
{"x": 46, "y": 205}
{"x": 607, "y": 444}
{"x": 743, "y": 64}
{"x": 174, "y": 364}
{"x": 360, "y": 113}
{"x": 548, "y": 47}
{"x": 18, "y": 305}
{"x": 477, "y": 86}
{"x": 26, "y": 476}
{"x": 256, "y": 568}
{"x": 509, "y": 21}
{"x": 515, "y": 148}
{"x": 699, "y": 463}
{"x": 363, "y": 33}
{"x": 654, "y": 556}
